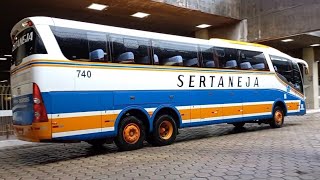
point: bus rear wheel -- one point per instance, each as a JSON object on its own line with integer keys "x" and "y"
{"x": 131, "y": 134}
{"x": 278, "y": 117}
{"x": 164, "y": 132}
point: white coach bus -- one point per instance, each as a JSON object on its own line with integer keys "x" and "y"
{"x": 75, "y": 81}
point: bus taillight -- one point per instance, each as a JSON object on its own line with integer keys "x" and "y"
{"x": 40, "y": 113}
{"x": 27, "y": 24}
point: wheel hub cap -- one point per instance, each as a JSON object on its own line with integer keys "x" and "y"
{"x": 278, "y": 117}
{"x": 166, "y": 130}
{"x": 131, "y": 133}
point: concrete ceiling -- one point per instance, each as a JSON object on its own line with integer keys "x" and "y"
{"x": 164, "y": 18}
{"x": 299, "y": 41}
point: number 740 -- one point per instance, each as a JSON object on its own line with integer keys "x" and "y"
{"x": 84, "y": 73}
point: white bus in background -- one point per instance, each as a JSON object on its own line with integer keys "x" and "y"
{"x": 75, "y": 81}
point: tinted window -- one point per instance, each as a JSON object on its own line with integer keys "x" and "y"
{"x": 288, "y": 71}
{"x": 97, "y": 45}
{"x": 73, "y": 42}
{"x": 252, "y": 60}
{"x": 175, "y": 54}
{"x": 283, "y": 67}
{"x": 227, "y": 57}
{"x": 209, "y": 57}
{"x": 297, "y": 80}
{"x": 27, "y": 42}
{"x": 130, "y": 50}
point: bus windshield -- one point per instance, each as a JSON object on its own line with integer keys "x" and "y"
{"x": 288, "y": 71}
{"x": 25, "y": 44}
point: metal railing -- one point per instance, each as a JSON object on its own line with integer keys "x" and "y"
{"x": 5, "y": 97}
{"x": 5, "y": 111}
{"x": 6, "y": 128}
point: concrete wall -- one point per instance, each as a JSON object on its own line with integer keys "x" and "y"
{"x": 279, "y": 18}
{"x": 227, "y": 8}
{"x": 237, "y": 31}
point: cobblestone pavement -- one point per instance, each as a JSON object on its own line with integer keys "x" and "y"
{"x": 211, "y": 152}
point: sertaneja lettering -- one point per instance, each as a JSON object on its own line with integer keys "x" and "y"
{"x": 22, "y": 40}
{"x": 194, "y": 81}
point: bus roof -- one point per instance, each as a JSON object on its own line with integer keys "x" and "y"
{"x": 240, "y": 42}
{"x": 50, "y": 21}
{"x": 41, "y": 20}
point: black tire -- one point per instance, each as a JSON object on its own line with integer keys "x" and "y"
{"x": 127, "y": 142}
{"x": 238, "y": 124}
{"x": 169, "y": 133}
{"x": 278, "y": 118}
{"x": 97, "y": 142}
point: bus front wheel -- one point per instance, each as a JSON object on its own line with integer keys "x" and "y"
{"x": 278, "y": 117}
{"x": 164, "y": 132}
{"x": 131, "y": 134}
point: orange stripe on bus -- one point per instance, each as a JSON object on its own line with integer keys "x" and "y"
{"x": 261, "y": 108}
{"x": 76, "y": 123}
{"x": 108, "y": 120}
{"x": 211, "y": 112}
{"x": 232, "y": 110}
{"x": 198, "y": 113}
{"x": 293, "y": 106}
{"x": 185, "y": 114}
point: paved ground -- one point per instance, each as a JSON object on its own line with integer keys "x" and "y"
{"x": 212, "y": 152}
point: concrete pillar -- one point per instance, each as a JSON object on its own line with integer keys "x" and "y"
{"x": 202, "y": 34}
{"x": 311, "y": 80}
{"x": 237, "y": 31}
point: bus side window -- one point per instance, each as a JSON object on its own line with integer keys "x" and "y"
{"x": 119, "y": 52}
{"x": 141, "y": 52}
{"x": 73, "y": 43}
{"x": 175, "y": 54}
{"x": 130, "y": 50}
{"x": 97, "y": 47}
{"x": 227, "y": 58}
{"x": 209, "y": 58}
{"x": 252, "y": 60}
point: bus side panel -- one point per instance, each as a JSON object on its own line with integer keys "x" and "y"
{"x": 76, "y": 115}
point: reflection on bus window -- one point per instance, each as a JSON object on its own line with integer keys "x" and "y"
{"x": 73, "y": 43}
{"x": 130, "y": 50}
{"x": 252, "y": 60}
{"x": 288, "y": 71}
{"x": 176, "y": 54}
{"x": 209, "y": 57}
{"x": 227, "y": 57}
{"x": 97, "y": 43}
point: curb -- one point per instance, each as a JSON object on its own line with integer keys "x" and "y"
{"x": 8, "y": 143}
{"x": 312, "y": 111}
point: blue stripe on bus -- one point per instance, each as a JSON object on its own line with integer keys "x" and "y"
{"x": 85, "y": 101}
